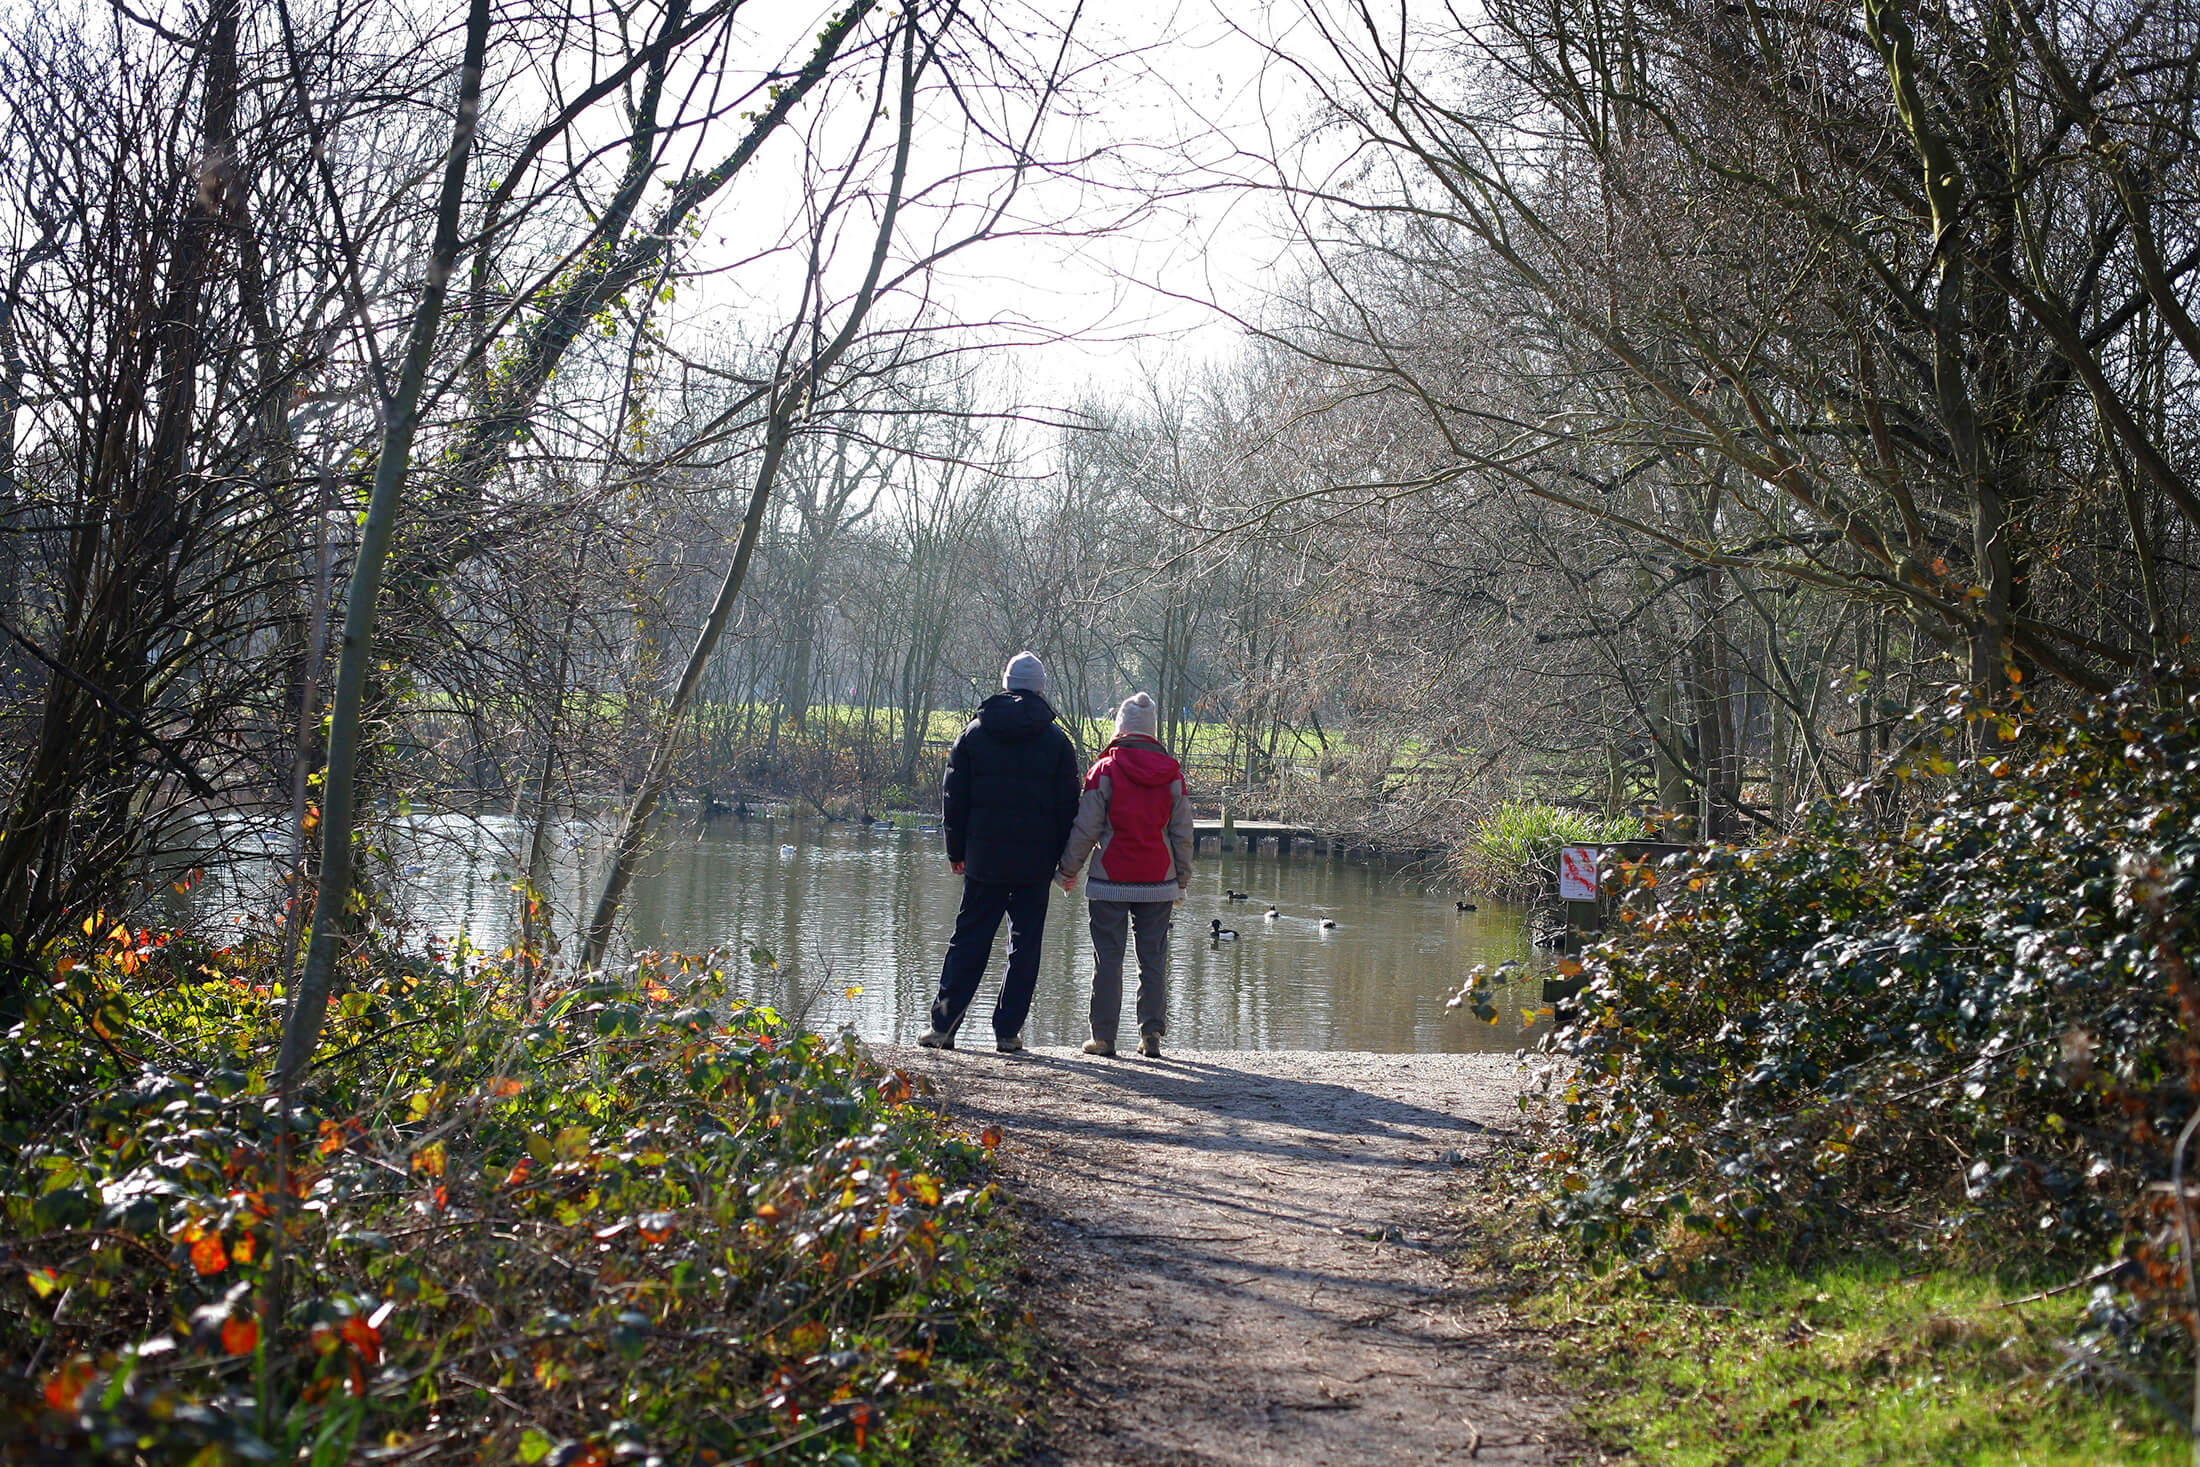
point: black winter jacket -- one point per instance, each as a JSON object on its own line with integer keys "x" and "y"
{"x": 1011, "y": 791}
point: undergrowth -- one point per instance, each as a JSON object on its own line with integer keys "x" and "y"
{"x": 1915, "y": 1043}
{"x": 634, "y": 1219}
{"x": 1868, "y": 1359}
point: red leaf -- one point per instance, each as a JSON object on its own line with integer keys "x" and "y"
{"x": 240, "y": 1336}
{"x": 364, "y": 1338}
{"x": 66, "y": 1384}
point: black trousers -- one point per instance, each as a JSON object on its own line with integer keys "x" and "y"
{"x": 984, "y": 903}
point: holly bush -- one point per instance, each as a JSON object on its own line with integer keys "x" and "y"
{"x": 1973, "y": 1026}
{"x": 633, "y": 1219}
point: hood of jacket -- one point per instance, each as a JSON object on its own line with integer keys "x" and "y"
{"x": 1016, "y": 714}
{"x": 1138, "y": 760}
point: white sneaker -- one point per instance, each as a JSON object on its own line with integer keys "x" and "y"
{"x": 934, "y": 1039}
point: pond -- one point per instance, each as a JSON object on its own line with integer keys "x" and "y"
{"x": 844, "y": 907}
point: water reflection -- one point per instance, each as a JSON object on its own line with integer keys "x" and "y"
{"x": 847, "y": 908}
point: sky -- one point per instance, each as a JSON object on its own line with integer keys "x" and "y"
{"x": 1185, "y": 101}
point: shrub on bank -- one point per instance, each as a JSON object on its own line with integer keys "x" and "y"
{"x": 1512, "y": 848}
{"x": 1974, "y": 1030}
{"x": 632, "y": 1219}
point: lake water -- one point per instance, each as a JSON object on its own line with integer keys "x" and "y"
{"x": 869, "y": 909}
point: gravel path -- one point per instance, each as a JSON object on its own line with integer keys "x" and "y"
{"x": 1243, "y": 1255}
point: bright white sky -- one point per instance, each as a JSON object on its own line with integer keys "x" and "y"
{"x": 1188, "y": 99}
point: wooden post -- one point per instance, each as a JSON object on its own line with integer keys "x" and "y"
{"x": 1227, "y": 839}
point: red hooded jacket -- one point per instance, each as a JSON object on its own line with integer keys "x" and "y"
{"x": 1139, "y": 775}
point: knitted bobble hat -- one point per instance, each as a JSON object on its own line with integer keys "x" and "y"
{"x": 1138, "y": 716}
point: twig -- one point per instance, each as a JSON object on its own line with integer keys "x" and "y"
{"x": 2077, "y": 1283}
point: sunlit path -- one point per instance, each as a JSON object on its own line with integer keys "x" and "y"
{"x": 1243, "y": 1255}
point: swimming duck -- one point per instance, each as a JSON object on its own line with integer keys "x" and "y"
{"x": 1327, "y": 923}
{"x": 1464, "y": 906}
{"x": 1235, "y": 896}
{"x": 1271, "y": 914}
{"x": 1220, "y": 933}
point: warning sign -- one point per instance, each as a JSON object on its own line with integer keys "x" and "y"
{"x": 1577, "y": 873}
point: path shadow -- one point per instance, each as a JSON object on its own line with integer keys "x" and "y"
{"x": 1317, "y": 1105}
{"x": 1297, "y": 1120}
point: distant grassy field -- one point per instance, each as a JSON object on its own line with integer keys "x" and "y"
{"x": 1202, "y": 742}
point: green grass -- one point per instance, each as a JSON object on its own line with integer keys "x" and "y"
{"x": 1201, "y": 743}
{"x": 1869, "y": 1361}
{"x": 1851, "y": 1363}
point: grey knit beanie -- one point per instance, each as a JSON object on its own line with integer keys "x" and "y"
{"x": 1026, "y": 673}
{"x": 1138, "y": 716}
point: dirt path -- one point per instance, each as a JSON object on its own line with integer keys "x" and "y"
{"x": 1242, "y": 1255}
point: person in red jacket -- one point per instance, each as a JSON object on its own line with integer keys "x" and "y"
{"x": 1134, "y": 811}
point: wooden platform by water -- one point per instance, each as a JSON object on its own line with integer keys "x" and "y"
{"x": 1252, "y": 832}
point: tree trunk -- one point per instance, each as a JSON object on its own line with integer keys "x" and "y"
{"x": 399, "y": 412}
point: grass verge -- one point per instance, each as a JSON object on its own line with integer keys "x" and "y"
{"x": 1846, "y": 1363}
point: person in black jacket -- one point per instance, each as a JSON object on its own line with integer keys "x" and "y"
{"x": 1011, "y": 796}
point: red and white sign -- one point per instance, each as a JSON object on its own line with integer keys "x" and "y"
{"x": 1577, "y": 873}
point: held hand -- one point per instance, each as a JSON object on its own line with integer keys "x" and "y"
{"x": 1069, "y": 883}
{"x": 958, "y": 867}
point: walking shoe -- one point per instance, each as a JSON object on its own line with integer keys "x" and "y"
{"x": 934, "y": 1039}
{"x": 1149, "y": 1045}
{"x": 1009, "y": 1043}
{"x": 1101, "y": 1047}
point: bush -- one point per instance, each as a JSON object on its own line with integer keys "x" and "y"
{"x": 633, "y": 1219}
{"x": 1975, "y": 1028}
{"x": 1512, "y": 848}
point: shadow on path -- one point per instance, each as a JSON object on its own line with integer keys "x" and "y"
{"x": 1243, "y": 1257}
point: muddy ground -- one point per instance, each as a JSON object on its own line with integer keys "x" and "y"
{"x": 1247, "y": 1258}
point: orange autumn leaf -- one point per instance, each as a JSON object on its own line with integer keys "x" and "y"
{"x": 65, "y": 1385}
{"x": 505, "y": 1085}
{"x": 768, "y": 1212}
{"x": 990, "y": 1137}
{"x": 241, "y": 1250}
{"x": 207, "y": 1255}
{"x": 520, "y": 1169}
{"x": 364, "y": 1338}
{"x": 432, "y": 1160}
{"x": 240, "y": 1336}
